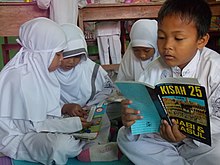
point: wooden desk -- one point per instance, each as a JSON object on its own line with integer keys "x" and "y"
{"x": 13, "y": 14}
{"x": 120, "y": 11}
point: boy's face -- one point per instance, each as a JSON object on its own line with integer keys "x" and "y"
{"x": 143, "y": 53}
{"x": 69, "y": 63}
{"x": 177, "y": 41}
{"x": 56, "y": 62}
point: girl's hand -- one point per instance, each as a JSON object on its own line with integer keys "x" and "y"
{"x": 73, "y": 110}
{"x": 85, "y": 124}
{"x": 129, "y": 115}
{"x": 171, "y": 133}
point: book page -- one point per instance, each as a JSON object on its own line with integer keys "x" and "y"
{"x": 141, "y": 100}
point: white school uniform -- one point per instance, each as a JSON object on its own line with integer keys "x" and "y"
{"x": 30, "y": 114}
{"x": 151, "y": 148}
{"x": 143, "y": 33}
{"x": 109, "y": 43}
{"x": 62, "y": 11}
{"x": 87, "y": 83}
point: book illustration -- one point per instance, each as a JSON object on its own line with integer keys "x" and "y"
{"x": 187, "y": 104}
{"x": 182, "y": 99}
{"x": 95, "y": 117}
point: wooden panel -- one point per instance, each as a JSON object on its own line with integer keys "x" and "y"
{"x": 12, "y": 15}
{"x": 104, "y": 12}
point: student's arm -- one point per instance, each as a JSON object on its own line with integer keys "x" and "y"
{"x": 43, "y": 4}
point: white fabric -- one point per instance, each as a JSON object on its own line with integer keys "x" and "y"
{"x": 62, "y": 11}
{"x": 109, "y": 47}
{"x": 76, "y": 83}
{"x": 143, "y": 34}
{"x": 109, "y": 43}
{"x": 28, "y": 90}
{"x": 106, "y": 28}
{"x": 29, "y": 101}
{"x": 205, "y": 67}
{"x": 56, "y": 149}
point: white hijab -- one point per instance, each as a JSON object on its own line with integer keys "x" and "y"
{"x": 28, "y": 90}
{"x": 143, "y": 33}
{"x": 76, "y": 83}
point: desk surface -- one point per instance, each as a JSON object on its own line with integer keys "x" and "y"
{"x": 14, "y": 14}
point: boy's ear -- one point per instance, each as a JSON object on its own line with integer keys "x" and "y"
{"x": 203, "y": 41}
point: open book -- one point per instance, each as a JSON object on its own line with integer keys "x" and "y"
{"x": 95, "y": 114}
{"x": 182, "y": 99}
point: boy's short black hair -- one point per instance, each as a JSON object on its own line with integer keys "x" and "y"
{"x": 197, "y": 11}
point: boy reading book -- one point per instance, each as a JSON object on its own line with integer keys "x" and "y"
{"x": 182, "y": 35}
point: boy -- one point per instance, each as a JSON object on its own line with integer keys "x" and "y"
{"x": 182, "y": 35}
{"x": 141, "y": 50}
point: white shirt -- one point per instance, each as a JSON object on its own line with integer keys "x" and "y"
{"x": 205, "y": 67}
{"x": 76, "y": 83}
{"x": 62, "y": 11}
{"x": 108, "y": 28}
{"x": 30, "y": 94}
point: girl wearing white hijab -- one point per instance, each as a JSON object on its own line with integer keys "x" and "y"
{"x": 82, "y": 81}
{"x": 30, "y": 113}
{"x": 141, "y": 50}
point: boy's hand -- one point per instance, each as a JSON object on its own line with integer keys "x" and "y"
{"x": 129, "y": 115}
{"x": 171, "y": 133}
{"x": 73, "y": 110}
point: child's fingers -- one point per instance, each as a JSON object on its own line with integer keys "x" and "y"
{"x": 125, "y": 103}
{"x": 129, "y": 119}
{"x": 130, "y": 111}
{"x": 128, "y": 124}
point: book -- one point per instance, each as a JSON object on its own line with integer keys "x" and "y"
{"x": 95, "y": 114}
{"x": 182, "y": 99}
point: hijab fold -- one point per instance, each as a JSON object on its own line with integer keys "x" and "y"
{"x": 28, "y": 90}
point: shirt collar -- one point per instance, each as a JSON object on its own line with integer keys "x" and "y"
{"x": 189, "y": 70}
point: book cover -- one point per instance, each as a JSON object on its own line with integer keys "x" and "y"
{"x": 95, "y": 115}
{"x": 182, "y": 99}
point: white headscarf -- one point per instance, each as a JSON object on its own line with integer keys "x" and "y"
{"x": 144, "y": 34}
{"x": 76, "y": 83}
{"x": 28, "y": 90}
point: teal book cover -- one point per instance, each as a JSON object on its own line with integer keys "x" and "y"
{"x": 182, "y": 99}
